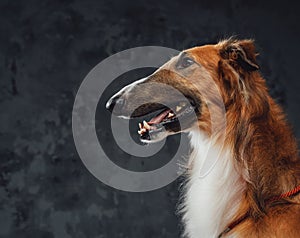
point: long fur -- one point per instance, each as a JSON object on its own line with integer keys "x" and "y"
{"x": 260, "y": 160}
{"x": 206, "y": 213}
{"x": 259, "y": 157}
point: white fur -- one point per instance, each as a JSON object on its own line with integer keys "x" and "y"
{"x": 213, "y": 196}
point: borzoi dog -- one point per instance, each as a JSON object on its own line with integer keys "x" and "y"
{"x": 252, "y": 189}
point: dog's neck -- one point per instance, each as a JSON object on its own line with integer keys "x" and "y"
{"x": 213, "y": 195}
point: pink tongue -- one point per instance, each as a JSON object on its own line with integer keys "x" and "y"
{"x": 159, "y": 118}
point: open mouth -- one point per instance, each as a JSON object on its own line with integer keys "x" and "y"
{"x": 173, "y": 119}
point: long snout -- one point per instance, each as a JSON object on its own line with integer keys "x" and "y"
{"x": 141, "y": 97}
{"x": 159, "y": 90}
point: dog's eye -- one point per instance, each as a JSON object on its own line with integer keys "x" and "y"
{"x": 185, "y": 62}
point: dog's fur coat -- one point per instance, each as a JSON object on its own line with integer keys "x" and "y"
{"x": 259, "y": 157}
{"x": 260, "y": 160}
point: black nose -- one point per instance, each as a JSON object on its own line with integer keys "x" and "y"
{"x": 115, "y": 104}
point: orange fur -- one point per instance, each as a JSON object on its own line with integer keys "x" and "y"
{"x": 264, "y": 147}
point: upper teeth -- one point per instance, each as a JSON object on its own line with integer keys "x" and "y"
{"x": 170, "y": 114}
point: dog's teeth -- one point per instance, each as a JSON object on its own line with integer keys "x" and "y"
{"x": 146, "y": 125}
{"x": 140, "y": 125}
{"x": 178, "y": 108}
{"x": 170, "y": 114}
{"x": 142, "y": 131}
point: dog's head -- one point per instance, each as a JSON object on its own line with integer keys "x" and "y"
{"x": 209, "y": 77}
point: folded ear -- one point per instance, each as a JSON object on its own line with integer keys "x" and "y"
{"x": 241, "y": 54}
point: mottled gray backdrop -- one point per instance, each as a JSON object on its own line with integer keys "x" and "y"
{"x": 48, "y": 47}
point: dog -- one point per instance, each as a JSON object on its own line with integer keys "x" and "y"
{"x": 252, "y": 188}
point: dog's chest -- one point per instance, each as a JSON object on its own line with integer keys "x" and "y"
{"x": 213, "y": 192}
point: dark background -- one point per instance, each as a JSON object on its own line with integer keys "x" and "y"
{"x": 48, "y": 47}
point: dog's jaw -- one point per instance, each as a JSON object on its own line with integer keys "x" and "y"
{"x": 211, "y": 201}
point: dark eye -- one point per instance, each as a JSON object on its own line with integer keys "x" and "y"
{"x": 185, "y": 62}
